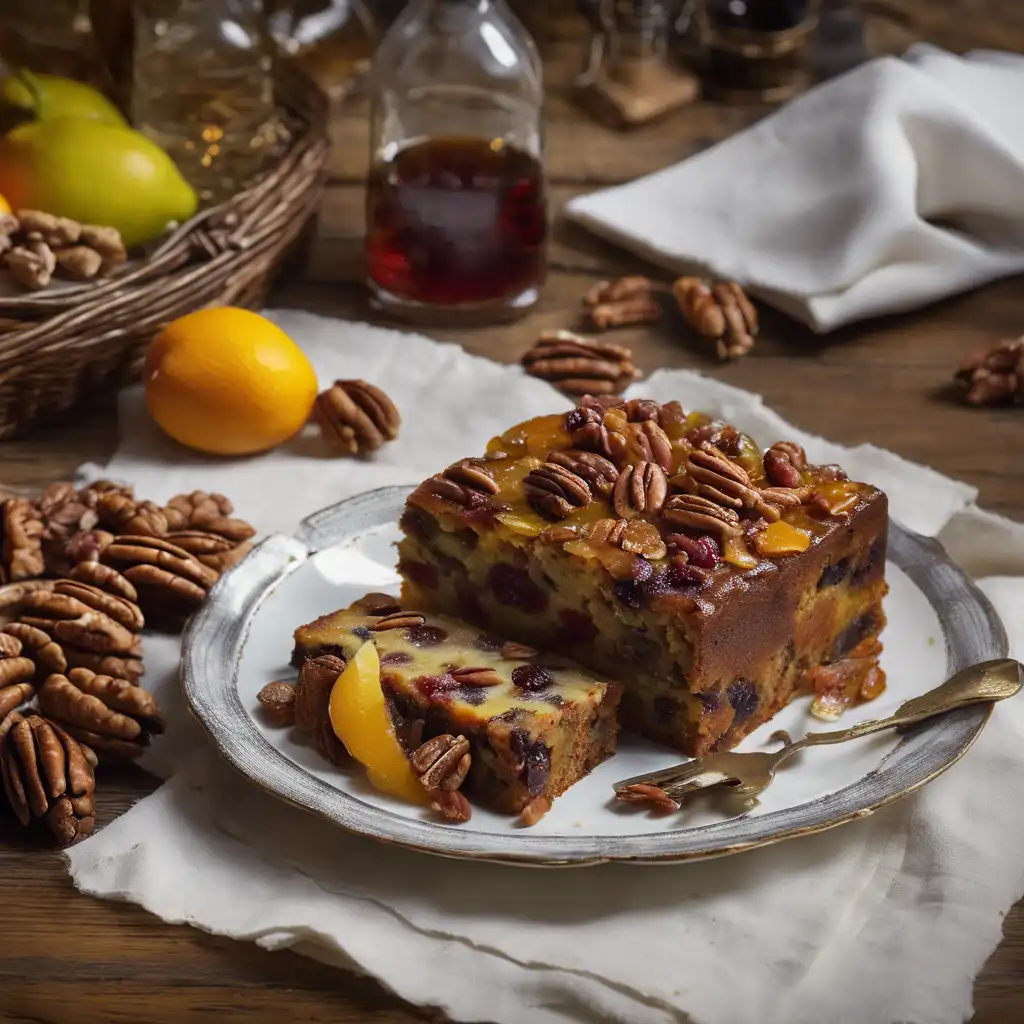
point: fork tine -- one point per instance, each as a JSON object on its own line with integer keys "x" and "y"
{"x": 677, "y": 775}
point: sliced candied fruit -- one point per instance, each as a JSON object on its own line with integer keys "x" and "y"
{"x": 781, "y": 538}
{"x": 360, "y": 719}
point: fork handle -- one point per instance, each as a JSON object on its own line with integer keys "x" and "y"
{"x": 987, "y": 681}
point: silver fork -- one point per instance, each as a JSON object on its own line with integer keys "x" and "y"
{"x": 749, "y": 774}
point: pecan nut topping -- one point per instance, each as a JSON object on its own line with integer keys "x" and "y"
{"x": 599, "y": 473}
{"x": 694, "y": 512}
{"x": 356, "y": 417}
{"x": 994, "y": 375}
{"x": 278, "y": 702}
{"x": 313, "y": 690}
{"x": 654, "y": 444}
{"x": 442, "y": 762}
{"x": 513, "y": 651}
{"x": 628, "y": 300}
{"x": 784, "y": 463}
{"x": 555, "y": 492}
{"x": 712, "y": 474}
{"x": 47, "y": 776}
{"x": 466, "y": 483}
{"x": 654, "y": 796}
{"x": 579, "y": 366}
{"x": 640, "y": 488}
{"x": 398, "y": 620}
{"x": 475, "y": 675}
{"x": 722, "y": 313}
{"x": 636, "y": 536}
{"x": 596, "y": 437}
{"x": 452, "y": 805}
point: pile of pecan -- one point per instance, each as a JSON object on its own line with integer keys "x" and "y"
{"x": 36, "y": 246}
{"x": 84, "y": 571}
{"x": 994, "y": 375}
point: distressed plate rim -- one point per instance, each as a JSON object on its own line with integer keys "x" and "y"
{"x": 216, "y": 634}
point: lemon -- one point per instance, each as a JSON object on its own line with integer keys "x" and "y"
{"x": 95, "y": 173}
{"x": 44, "y": 97}
{"x": 228, "y": 382}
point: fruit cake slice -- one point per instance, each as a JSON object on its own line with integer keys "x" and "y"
{"x": 536, "y": 723}
{"x": 666, "y": 550}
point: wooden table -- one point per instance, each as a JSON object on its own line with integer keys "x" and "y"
{"x": 68, "y": 959}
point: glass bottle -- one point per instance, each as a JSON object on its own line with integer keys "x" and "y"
{"x": 54, "y": 37}
{"x": 203, "y": 89}
{"x": 456, "y": 206}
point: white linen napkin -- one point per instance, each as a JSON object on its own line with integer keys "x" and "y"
{"x": 889, "y": 187}
{"x": 886, "y": 919}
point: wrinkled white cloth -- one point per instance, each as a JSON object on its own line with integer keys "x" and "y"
{"x": 887, "y": 919}
{"x": 889, "y": 187}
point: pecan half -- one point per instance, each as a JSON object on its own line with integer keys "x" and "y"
{"x": 784, "y": 463}
{"x": 356, "y": 417}
{"x": 628, "y": 300}
{"x": 513, "y": 651}
{"x": 710, "y": 473}
{"x": 654, "y": 796}
{"x": 211, "y": 513}
{"x": 579, "y": 366}
{"x": 452, "y": 805}
{"x": 39, "y": 646}
{"x": 313, "y": 690}
{"x": 534, "y": 811}
{"x": 654, "y": 443}
{"x": 442, "y": 762}
{"x": 22, "y": 539}
{"x": 596, "y": 437}
{"x": 398, "y": 620}
{"x": 278, "y": 702}
{"x": 474, "y": 474}
{"x": 994, "y": 375}
{"x": 722, "y": 313}
{"x": 470, "y": 675}
{"x": 693, "y": 512}
{"x": 599, "y": 473}
{"x": 555, "y": 492}
{"x": 640, "y": 488}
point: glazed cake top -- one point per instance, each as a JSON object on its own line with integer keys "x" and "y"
{"x": 477, "y": 677}
{"x": 628, "y": 483}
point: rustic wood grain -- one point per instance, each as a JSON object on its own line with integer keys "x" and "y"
{"x": 68, "y": 959}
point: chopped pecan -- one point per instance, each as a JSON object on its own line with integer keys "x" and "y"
{"x": 580, "y": 366}
{"x": 693, "y": 512}
{"x": 640, "y": 488}
{"x": 313, "y": 690}
{"x": 654, "y": 796}
{"x": 722, "y": 313}
{"x": 534, "y": 811}
{"x": 710, "y": 473}
{"x": 994, "y": 375}
{"x": 452, "y": 805}
{"x": 356, "y": 417}
{"x": 475, "y": 676}
{"x": 87, "y": 546}
{"x": 278, "y": 702}
{"x": 47, "y": 776}
{"x": 639, "y": 409}
{"x": 628, "y": 300}
{"x": 555, "y": 492}
{"x": 398, "y": 620}
{"x": 636, "y": 536}
{"x": 22, "y": 540}
{"x": 10, "y": 646}
{"x": 442, "y": 762}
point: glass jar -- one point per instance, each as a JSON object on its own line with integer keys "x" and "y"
{"x": 203, "y": 90}
{"x": 456, "y": 205}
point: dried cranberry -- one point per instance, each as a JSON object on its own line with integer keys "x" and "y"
{"x": 702, "y": 552}
{"x": 632, "y": 595}
{"x": 724, "y": 436}
{"x": 473, "y": 695}
{"x": 514, "y": 587}
{"x": 426, "y": 636}
{"x": 710, "y": 701}
{"x": 538, "y": 768}
{"x": 682, "y": 576}
{"x": 831, "y": 472}
{"x": 395, "y": 658}
{"x": 640, "y": 569}
{"x": 362, "y": 632}
{"x": 779, "y": 469}
{"x": 531, "y": 677}
{"x": 418, "y": 523}
{"x": 435, "y": 686}
{"x": 575, "y": 419}
{"x": 421, "y": 573}
{"x": 743, "y": 697}
{"x": 575, "y": 628}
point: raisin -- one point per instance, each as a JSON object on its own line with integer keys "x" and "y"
{"x": 426, "y": 636}
{"x": 469, "y": 538}
{"x": 665, "y": 709}
{"x": 514, "y": 587}
{"x": 871, "y": 565}
{"x": 471, "y": 695}
{"x": 421, "y": 573}
{"x": 629, "y": 593}
{"x": 576, "y": 419}
{"x": 538, "y": 768}
{"x": 863, "y": 626}
{"x": 434, "y": 686}
{"x": 743, "y": 697}
{"x": 703, "y": 552}
{"x": 575, "y": 628}
{"x": 531, "y": 677}
{"x": 833, "y": 573}
{"x": 710, "y": 701}
{"x": 637, "y": 646}
{"x": 362, "y": 632}
{"x": 395, "y": 658}
{"x": 488, "y": 642}
{"x": 418, "y": 523}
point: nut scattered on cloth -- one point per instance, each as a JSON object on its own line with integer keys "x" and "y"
{"x": 355, "y": 417}
{"x": 722, "y": 313}
{"x": 37, "y": 245}
{"x": 577, "y": 365}
{"x": 619, "y": 303}
{"x": 994, "y": 375}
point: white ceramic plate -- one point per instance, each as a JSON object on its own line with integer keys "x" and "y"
{"x": 241, "y": 639}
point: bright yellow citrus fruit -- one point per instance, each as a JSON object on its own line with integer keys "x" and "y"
{"x": 360, "y": 718}
{"x": 5, "y": 207}
{"x": 228, "y": 381}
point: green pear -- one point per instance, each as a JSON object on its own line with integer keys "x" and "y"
{"x": 45, "y": 97}
{"x": 95, "y": 173}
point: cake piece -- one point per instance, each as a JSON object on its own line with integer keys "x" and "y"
{"x": 535, "y": 723}
{"x": 660, "y": 548}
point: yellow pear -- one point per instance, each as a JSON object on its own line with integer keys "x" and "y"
{"x": 95, "y": 173}
{"x": 45, "y": 97}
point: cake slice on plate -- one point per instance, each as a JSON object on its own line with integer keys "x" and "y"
{"x": 663, "y": 549}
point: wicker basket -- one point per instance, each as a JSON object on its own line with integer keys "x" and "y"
{"x": 59, "y": 348}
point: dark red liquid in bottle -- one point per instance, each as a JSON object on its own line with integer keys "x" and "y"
{"x": 456, "y": 221}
